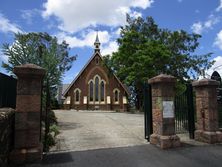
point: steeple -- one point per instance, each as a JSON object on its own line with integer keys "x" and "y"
{"x": 97, "y": 43}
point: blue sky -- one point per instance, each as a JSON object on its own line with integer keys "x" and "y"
{"x": 76, "y": 21}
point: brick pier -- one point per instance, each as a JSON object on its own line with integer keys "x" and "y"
{"x": 163, "y": 112}
{"x": 27, "y": 145}
{"x": 207, "y": 113}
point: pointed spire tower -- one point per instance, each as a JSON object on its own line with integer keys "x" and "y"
{"x": 97, "y": 43}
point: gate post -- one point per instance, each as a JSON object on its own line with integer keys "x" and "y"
{"x": 27, "y": 144}
{"x": 207, "y": 115}
{"x": 163, "y": 112}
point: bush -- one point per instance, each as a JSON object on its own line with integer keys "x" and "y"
{"x": 49, "y": 142}
{"x": 53, "y": 129}
{"x": 50, "y": 138}
{"x": 52, "y": 118}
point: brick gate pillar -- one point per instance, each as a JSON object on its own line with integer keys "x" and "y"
{"x": 27, "y": 144}
{"x": 207, "y": 114}
{"x": 163, "y": 112}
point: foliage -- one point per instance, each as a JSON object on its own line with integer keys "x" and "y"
{"x": 40, "y": 49}
{"x": 45, "y": 51}
{"x": 52, "y": 118}
{"x": 50, "y": 138}
{"x": 49, "y": 142}
{"x": 145, "y": 50}
{"x": 55, "y": 104}
{"x": 54, "y": 129}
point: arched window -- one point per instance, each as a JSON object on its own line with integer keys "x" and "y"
{"x": 77, "y": 96}
{"x": 102, "y": 91}
{"x": 91, "y": 91}
{"x": 116, "y": 96}
{"x": 96, "y": 89}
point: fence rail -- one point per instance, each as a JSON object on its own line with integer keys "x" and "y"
{"x": 7, "y": 91}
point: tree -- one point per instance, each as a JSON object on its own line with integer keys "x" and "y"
{"x": 40, "y": 49}
{"x": 145, "y": 50}
{"x": 45, "y": 51}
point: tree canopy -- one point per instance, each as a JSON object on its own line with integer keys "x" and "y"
{"x": 40, "y": 49}
{"x": 145, "y": 50}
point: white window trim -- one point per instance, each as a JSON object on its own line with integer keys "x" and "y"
{"x": 125, "y": 100}
{"x": 67, "y": 100}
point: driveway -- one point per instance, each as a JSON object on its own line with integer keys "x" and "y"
{"x": 106, "y": 139}
{"x": 88, "y": 130}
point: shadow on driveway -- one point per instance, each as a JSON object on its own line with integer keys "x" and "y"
{"x": 138, "y": 156}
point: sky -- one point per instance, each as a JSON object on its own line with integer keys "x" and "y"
{"x": 76, "y": 22}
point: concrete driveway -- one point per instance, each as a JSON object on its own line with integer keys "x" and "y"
{"x": 88, "y": 130}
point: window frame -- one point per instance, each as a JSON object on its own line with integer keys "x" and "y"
{"x": 118, "y": 96}
{"x": 79, "y": 97}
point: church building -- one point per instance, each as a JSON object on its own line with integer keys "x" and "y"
{"x": 95, "y": 87}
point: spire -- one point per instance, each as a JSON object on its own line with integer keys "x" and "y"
{"x": 97, "y": 43}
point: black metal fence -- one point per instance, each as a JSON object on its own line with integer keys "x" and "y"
{"x": 147, "y": 107}
{"x": 7, "y": 122}
{"x": 184, "y": 112}
{"x": 220, "y": 115}
{"x": 7, "y": 91}
{"x": 216, "y": 76}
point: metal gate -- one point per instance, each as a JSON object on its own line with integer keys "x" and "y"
{"x": 184, "y": 112}
{"x": 147, "y": 107}
{"x": 216, "y": 76}
{"x": 7, "y": 91}
{"x": 220, "y": 114}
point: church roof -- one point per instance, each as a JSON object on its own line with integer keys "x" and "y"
{"x": 96, "y": 53}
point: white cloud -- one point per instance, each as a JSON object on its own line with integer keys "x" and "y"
{"x": 216, "y": 67}
{"x": 117, "y": 32}
{"x": 3, "y": 57}
{"x": 212, "y": 20}
{"x": 75, "y": 15}
{"x": 6, "y": 26}
{"x": 200, "y": 27}
{"x": 110, "y": 48}
{"x": 197, "y": 27}
{"x": 219, "y": 7}
{"x": 218, "y": 40}
{"x": 28, "y": 15}
{"x": 142, "y": 3}
{"x": 87, "y": 38}
{"x": 135, "y": 14}
{"x": 180, "y": 1}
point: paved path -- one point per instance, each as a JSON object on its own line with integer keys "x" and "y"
{"x": 87, "y": 130}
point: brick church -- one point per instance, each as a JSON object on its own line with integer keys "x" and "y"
{"x": 94, "y": 88}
